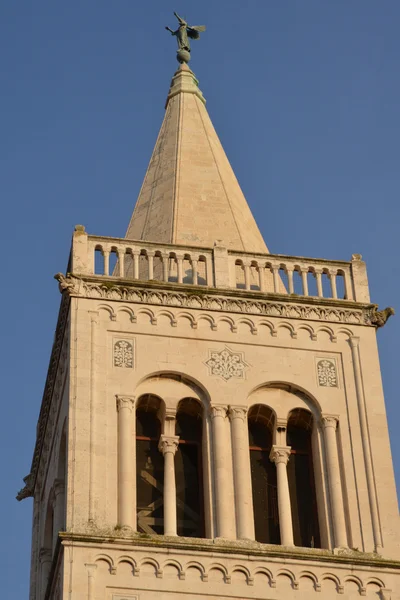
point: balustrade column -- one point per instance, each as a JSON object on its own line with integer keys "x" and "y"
{"x": 332, "y": 277}
{"x": 329, "y": 423}
{"x": 275, "y": 273}
{"x": 136, "y": 265}
{"x": 45, "y": 560}
{"x": 289, "y": 271}
{"x": 242, "y": 473}
{"x": 318, "y": 275}
{"x": 261, "y": 273}
{"x": 121, "y": 262}
{"x": 106, "y": 258}
{"x": 165, "y": 259}
{"x": 280, "y": 456}
{"x": 179, "y": 261}
{"x": 304, "y": 273}
{"x": 247, "y": 274}
{"x": 126, "y": 458}
{"x": 150, "y": 262}
{"x": 58, "y": 510}
{"x": 168, "y": 445}
{"x": 194, "y": 272}
{"x": 218, "y": 416}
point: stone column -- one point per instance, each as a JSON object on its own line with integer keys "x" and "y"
{"x": 304, "y": 274}
{"x": 126, "y": 458}
{"x": 223, "y": 514}
{"x": 329, "y": 423}
{"x": 280, "y": 456}
{"x": 168, "y": 446}
{"x": 242, "y": 473}
{"x": 373, "y": 501}
{"x": 59, "y": 510}
{"x": 45, "y": 559}
{"x": 91, "y": 570}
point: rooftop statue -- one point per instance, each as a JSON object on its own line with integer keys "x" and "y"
{"x": 182, "y": 34}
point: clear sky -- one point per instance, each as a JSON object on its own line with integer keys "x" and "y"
{"x": 305, "y": 96}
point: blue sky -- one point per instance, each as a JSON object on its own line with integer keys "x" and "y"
{"x": 305, "y": 98}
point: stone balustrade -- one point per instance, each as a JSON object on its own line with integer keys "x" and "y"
{"x": 218, "y": 268}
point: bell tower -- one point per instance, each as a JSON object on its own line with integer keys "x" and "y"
{"x": 213, "y": 423}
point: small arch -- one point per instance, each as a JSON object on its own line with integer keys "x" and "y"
{"x": 289, "y": 326}
{"x": 264, "y": 571}
{"x": 129, "y": 311}
{"x": 155, "y": 566}
{"x": 244, "y": 570}
{"x": 230, "y": 321}
{"x": 105, "y": 558}
{"x": 108, "y": 309}
{"x": 218, "y": 568}
{"x": 183, "y": 315}
{"x": 328, "y": 330}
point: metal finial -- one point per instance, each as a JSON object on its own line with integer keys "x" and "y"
{"x": 182, "y": 34}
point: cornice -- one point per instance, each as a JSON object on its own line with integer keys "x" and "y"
{"x": 224, "y": 300}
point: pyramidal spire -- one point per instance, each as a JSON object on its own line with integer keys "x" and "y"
{"x": 190, "y": 194}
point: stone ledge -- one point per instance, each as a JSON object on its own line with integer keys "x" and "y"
{"x": 223, "y": 546}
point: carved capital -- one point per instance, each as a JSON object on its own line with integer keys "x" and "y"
{"x": 330, "y": 421}
{"x": 218, "y": 411}
{"x": 91, "y": 569}
{"x": 237, "y": 412}
{"x": 168, "y": 443}
{"x": 280, "y": 454}
{"x": 125, "y": 402}
{"x": 354, "y": 341}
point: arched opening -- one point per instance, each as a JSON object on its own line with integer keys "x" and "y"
{"x": 263, "y": 475}
{"x": 301, "y": 479}
{"x": 188, "y": 469}
{"x": 149, "y": 466}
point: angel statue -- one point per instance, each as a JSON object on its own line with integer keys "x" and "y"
{"x": 182, "y": 34}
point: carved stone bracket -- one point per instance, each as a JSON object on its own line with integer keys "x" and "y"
{"x": 330, "y": 421}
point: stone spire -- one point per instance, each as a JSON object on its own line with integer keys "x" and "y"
{"x": 190, "y": 194}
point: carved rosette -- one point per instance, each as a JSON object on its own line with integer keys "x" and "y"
{"x": 168, "y": 443}
{"x": 227, "y": 364}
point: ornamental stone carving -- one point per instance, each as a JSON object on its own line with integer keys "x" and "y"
{"x": 218, "y": 411}
{"x": 237, "y": 412}
{"x": 280, "y": 454}
{"x": 123, "y": 354}
{"x": 327, "y": 374}
{"x": 168, "y": 443}
{"x": 287, "y": 308}
{"x": 125, "y": 402}
{"x": 227, "y": 364}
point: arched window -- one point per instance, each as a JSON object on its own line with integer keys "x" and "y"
{"x": 301, "y": 480}
{"x": 263, "y": 475}
{"x": 188, "y": 469}
{"x": 149, "y": 466}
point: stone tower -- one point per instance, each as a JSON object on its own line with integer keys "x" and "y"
{"x": 213, "y": 423}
